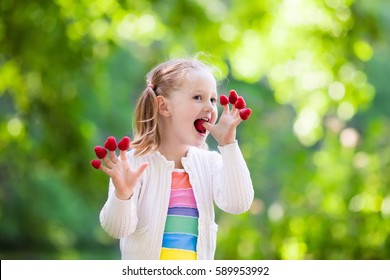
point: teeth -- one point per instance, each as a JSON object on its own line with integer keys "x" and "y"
{"x": 205, "y": 119}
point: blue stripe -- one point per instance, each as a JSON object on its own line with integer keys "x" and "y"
{"x": 180, "y": 241}
{"x": 183, "y": 211}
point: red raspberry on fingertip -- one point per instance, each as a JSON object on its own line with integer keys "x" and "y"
{"x": 96, "y": 163}
{"x": 224, "y": 100}
{"x": 100, "y": 152}
{"x": 124, "y": 143}
{"x": 245, "y": 113}
{"x": 240, "y": 103}
{"x": 233, "y": 96}
{"x": 110, "y": 143}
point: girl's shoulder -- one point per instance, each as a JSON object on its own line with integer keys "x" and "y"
{"x": 131, "y": 155}
{"x": 155, "y": 158}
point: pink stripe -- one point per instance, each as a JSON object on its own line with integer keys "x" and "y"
{"x": 182, "y": 198}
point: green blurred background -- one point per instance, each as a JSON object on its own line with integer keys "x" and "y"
{"x": 314, "y": 72}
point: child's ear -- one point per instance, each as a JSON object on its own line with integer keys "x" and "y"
{"x": 163, "y": 106}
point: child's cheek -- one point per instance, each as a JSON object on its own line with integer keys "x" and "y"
{"x": 214, "y": 116}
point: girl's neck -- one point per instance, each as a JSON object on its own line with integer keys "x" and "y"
{"x": 174, "y": 154}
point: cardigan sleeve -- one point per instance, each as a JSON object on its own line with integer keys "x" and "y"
{"x": 232, "y": 185}
{"x": 118, "y": 217}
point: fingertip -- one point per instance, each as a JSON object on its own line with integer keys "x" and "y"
{"x": 96, "y": 163}
{"x": 207, "y": 125}
{"x": 113, "y": 156}
{"x": 226, "y": 108}
{"x": 123, "y": 154}
{"x": 105, "y": 170}
{"x": 142, "y": 168}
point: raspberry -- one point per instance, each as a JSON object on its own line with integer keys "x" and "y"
{"x": 100, "y": 152}
{"x": 110, "y": 143}
{"x": 245, "y": 113}
{"x": 224, "y": 100}
{"x": 124, "y": 144}
{"x": 233, "y": 96}
{"x": 96, "y": 163}
{"x": 240, "y": 103}
{"x": 199, "y": 126}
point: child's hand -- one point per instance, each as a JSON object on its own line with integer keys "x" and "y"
{"x": 225, "y": 130}
{"x": 123, "y": 176}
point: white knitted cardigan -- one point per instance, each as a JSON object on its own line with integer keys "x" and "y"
{"x": 139, "y": 222}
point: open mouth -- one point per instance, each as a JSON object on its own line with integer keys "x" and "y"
{"x": 199, "y": 125}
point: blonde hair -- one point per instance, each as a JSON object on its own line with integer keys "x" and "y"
{"x": 160, "y": 81}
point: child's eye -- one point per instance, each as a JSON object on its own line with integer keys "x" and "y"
{"x": 197, "y": 97}
{"x": 213, "y": 100}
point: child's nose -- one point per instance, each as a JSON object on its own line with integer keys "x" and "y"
{"x": 208, "y": 106}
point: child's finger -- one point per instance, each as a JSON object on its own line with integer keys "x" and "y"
{"x": 106, "y": 170}
{"x": 234, "y": 110}
{"x": 224, "y": 101}
{"x": 226, "y": 109}
{"x": 209, "y": 126}
{"x": 141, "y": 169}
{"x": 111, "y": 145}
{"x": 108, "y": 162}
{"x": 123, "y": 155}
{"x": 237, "y": 121}
{"x": 124, "y": 145}
{"x": 97, "y": 164}
{"x": 113, "y": 156}
{"x": 235, "y": 113}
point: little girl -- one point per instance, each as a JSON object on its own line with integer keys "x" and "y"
{"x": 161, "y": 192}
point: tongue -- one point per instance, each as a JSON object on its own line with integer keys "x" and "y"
{"x": 199, "y": 125}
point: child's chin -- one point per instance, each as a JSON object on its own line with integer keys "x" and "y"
{"x": 202, "y": 146}
{"x": 201, "y": 143}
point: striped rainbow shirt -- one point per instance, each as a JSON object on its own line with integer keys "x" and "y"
{"x": 181, "y": 227}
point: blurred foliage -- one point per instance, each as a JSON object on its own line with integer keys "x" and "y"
{"x": 315, "y": 73}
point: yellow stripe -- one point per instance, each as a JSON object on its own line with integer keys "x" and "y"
{"x": 174, "y": 254}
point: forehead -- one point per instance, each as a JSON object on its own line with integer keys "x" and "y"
{"x": 200, "y": 80}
